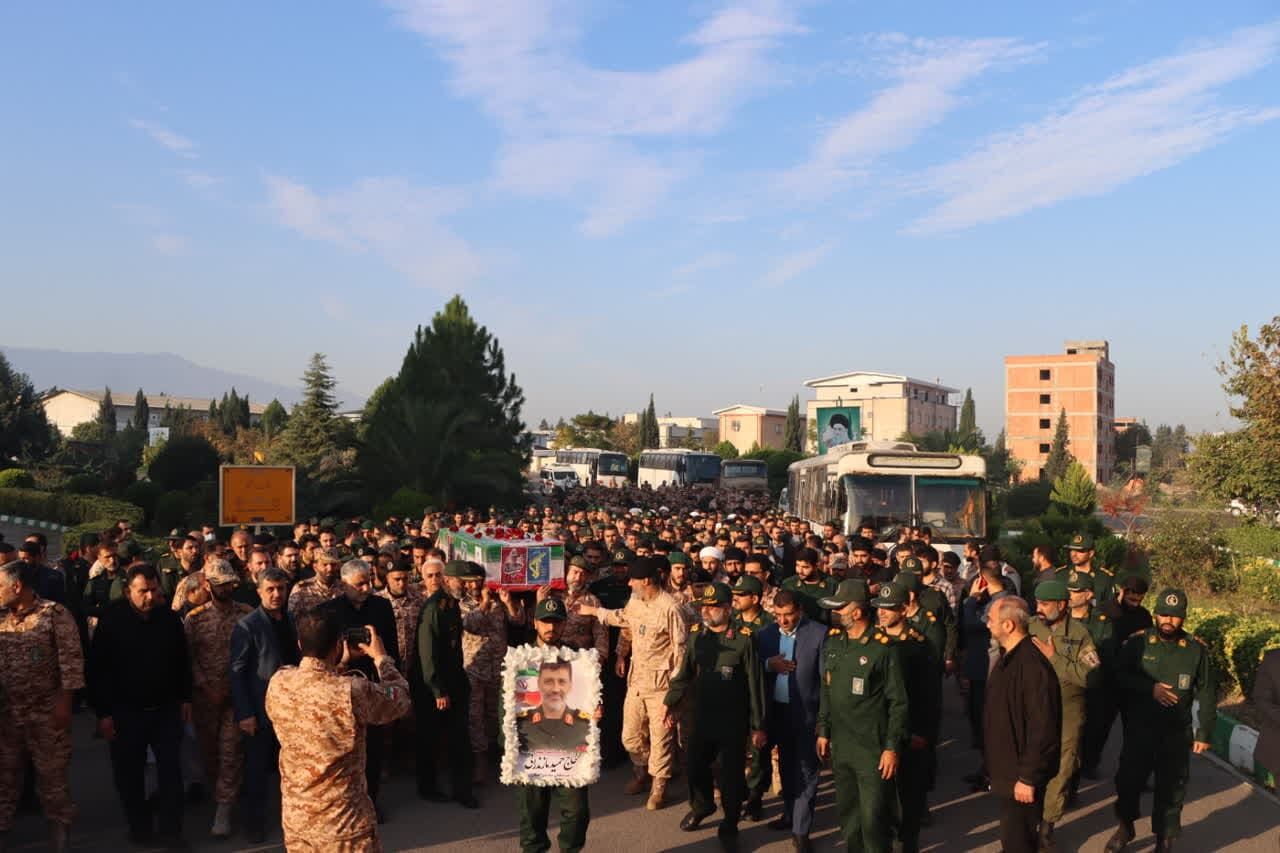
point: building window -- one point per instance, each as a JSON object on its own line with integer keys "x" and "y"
{"x": 1044, "y": 423}
{"x": 736, "y": 426}
{"x": 1044, "y": 399}
{"x": 1044, "y": 376}
{"x": 777, "y": 429}
{"x": 1044, "y": 448}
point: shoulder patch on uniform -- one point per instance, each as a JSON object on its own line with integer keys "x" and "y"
{"x": 1106, "y": 571}
{"x": 693, "y": 629}
{"x": 1151, "y": 638}
{"x": 745, "y": 631}
{"x": 932, "y": 618}
{"x": 834, "y": 632}
{"x": 1102, "y": 617}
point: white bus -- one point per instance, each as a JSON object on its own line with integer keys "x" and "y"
{"x": 678, "y": 467}
{"x": 595, "y": 467}
{"x": 892, "y": 484}
{"x": 744, "y": 474}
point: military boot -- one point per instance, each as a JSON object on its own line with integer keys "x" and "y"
{"x": 1121, "y": 838}
{"x": 59, "y": 837}
{"x": 1046, "y": 843}
{"x": 639, "y": 781}
{"x": 657, "y": 795}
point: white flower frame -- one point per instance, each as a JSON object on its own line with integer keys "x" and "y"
{"x": 515, "y": 768}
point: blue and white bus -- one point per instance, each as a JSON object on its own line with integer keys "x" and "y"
{"x": 595, "y": 467}
{"x": 678, "y": 466}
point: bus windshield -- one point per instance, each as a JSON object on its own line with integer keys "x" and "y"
{"x": 612, "y": 464}
{"x": 702, "y": 468}
{"x": 886, "y": 500}
{"x": 749, "y": 468}
{"x": 954, "y": 507}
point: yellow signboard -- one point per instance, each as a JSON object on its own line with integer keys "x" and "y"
{"x": 255, "y": 494}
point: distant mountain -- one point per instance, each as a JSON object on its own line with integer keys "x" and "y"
{"x": 153, "y": 372}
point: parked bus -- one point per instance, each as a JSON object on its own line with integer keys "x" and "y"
{"x": 893, "y": 484}
{"x": 745, "y": 474}
{"x": 595, "y": 467}
{"x": 678, "y": 467}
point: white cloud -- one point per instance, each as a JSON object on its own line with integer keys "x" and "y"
{"x": 169, "y": 244}
{"x": 795, "y": 264}
{"x": 927, "y": 78}
{"x": 388, "y": 217}
{"x": 1141, "y": 121}
{"x": 161, "y": 135}
{"x": 703, "y": 263}
{"x": 574, "y": 130}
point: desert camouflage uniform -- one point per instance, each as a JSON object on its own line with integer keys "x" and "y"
{"x": 684, "y": 600}
{"x": 407, "y": 608}
{"x": 208, "y": 629}
{"x": 766, "y": 600}
{"x": 186, "y": 587}
{"x": 584, "y": 632}
{"x": 40, "y": 656}
{"x": 484, "y": 645}
{"x": 319, "y": 716}
{"x": 306, "y": 594}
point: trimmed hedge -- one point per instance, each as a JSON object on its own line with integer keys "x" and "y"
{"x": 65, "y": 508}
{"x": 16, "y": 478}
{"x": 1235, "y": 644}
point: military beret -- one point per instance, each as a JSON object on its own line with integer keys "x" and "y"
{"x": 678, "y": 558}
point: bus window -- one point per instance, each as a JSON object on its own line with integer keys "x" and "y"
{"x": 952, "y": 506}
{"x": 885, "y": 499}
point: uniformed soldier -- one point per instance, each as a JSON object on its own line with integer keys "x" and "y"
{"x": 747, "y": 613}
{"x": 811, "y": 584}
{"x": 579, "y": 631}
{"x": 485, "y": 617}
{"x": 611, "y": 591}
{"x": 170, "y": 567}
{"x": 442, "y": 693}
{"x": 1081, "y": 553}
{"x": 862, "y": 718}
{"x": 1099, "y": 694}
{"x": 721, "y": 669}
{"x": 1161, "y": 671}
{"x": 41, "y": 665}
{"x": 208, "y": 629}
{"x": 1068, "y": 646}
{"x": 658, "y": 634}
{"x": 922, "y": 674}
{"x": 320, "y": 715}
{"x": 325, "y": 585}
{"x": 563, "y": 728}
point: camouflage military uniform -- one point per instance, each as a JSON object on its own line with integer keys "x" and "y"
{"x": 308, "y": 593}
{"x": 319, "y": 716}
{"x": 184, "y": 590}
{"x": 40, "y": 655}
{"x": 484, "y": 644}
{"x": 208, "y": 629}
{"x": 584, "y": 632}
{"x": 684, "y": 598}
{"x": 407, "y": 608}
{"x": 766, "y": 600}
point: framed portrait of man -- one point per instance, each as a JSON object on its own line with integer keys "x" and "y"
{"x": 550, "y": 734}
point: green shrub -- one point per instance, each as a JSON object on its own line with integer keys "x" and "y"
{"x": 16, "y": 478}
{"x": 1027, "y": 500}
{"x": 1186, "y": 550}
{"x": 1243, "y": 645}
{"x": 85, "y": 484}
{"x": 1212, "y": 630}
{"x": 1250, "y": 540}
{"x": 144, "y": 493}
{"x": 1259, "y": 580}
{"x": 64, "y": 508}
{"x": 172, "y": 510}
{"x": 183, "y": 462}
{"x": 403, "y": 503}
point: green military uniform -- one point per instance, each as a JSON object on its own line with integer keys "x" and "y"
{"x": 863, "y": 712}
{"x": 759, "y": 762}
{"x": 440, "y": 674}
{"x": 934, "y": 601}
{"x": 169, "y": 568}
{"x": 810, "y": 593}
{"x": 1156, "y": 737}
{"x": 722, "y": 670}
{"x": 1104, "y": 580}
{"x": 539, "y": 731}
{"x": 1075, "y": 661}
{"x": 922, "y": 675}
{"x": 1098, "y": 694}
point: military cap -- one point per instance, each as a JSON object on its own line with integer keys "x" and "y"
{"x": 760, "y": 542}
{"x": 1079, "y": 582}
{"x": 475, "y": 571}
{"x": 456, "y": 569}
{"x": 678, "y": 558}
{"x": 849, "y": 591}
{"x": 909, "y": 581}
{"x": 1051, "y": 591}
{"x": 890, "y": 595}
{"x": 748, "y": 585}
{"x": 578, "y": 561}
{"x": 715, "y": 595}
{"x": 623, "y": 556}
{"x": 366, "y": 525}
{"x": 1080, "y": 542}
{"x": 370, "y": 551}
{"x": 176, "y": 535}
{"x": 549, "y": 609}
{"x": 641, "y": 568}
{"x": 1171, "y": 602}
{"x": 219, "y": 572}
{"x": 328, "y": 555}
{"x": 912, "y": 564}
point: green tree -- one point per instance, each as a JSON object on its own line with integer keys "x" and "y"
{"x": 968, "y": 437}
{"x": 794, "y": 436}
{"x": 1075, "y": 491}
{"x": 314, "y": 431}
{"x": 179, "y": 419}
{"x": 183, "y": 463}
{"x": 274, "y": 419}
{"x": 726, "y": 450}
{"x": 650, "y": 436}
{"x": 1059, "y": 455}
{"x": 587, "y": 430}
{"x": 141, "y": 411}
{"x": 449, "y": 425}
{"x": 25, "y": 431}
{"x": 1127, "y": 444}
{"x": 107, "y": 414}
{"x": 1228, "y": 466}
{"x": 1002, "y": 467}
{"x": 543, "y": 425}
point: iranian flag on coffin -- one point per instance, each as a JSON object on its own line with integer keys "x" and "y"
{"x": 510, "y": 561}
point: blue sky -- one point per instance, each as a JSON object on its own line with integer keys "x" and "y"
{"x": 709, "y": 201}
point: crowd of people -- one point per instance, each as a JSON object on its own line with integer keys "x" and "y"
{"x": 735, "y": 643}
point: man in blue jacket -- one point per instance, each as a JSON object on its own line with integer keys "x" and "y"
{"x": 791, "y": 652}
{"x": 261, "y": 643}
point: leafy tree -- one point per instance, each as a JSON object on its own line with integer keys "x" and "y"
{"x": 650, "y": 436}
{"x": 726, "y": 450}
{"x": 449, "y": 425}
{"x": 543, "y": 425}
{"x": 794, "y": 436}
{"x": 25, "y": 431}
{"x": 90, "y": 432}
{"x": 1252, "y": 373}
{"x": 1075, "y": 490}
{"x": 587, "y": 430}
{"x": 624, "y": 437}
{"x": 1229, "y": 466}
{"x": 107, "y": 414}
{"x": 1002, "y": 467}
{"x": 179, "y": 419}
{"x": 141, "y": 411}
{"x": 184, "y": 462}
{"x": 1169, "y": 448}
{"x": 274, "y": 419}
{"x": 314, "y": 430}
{"x": 1127, "y": 444}
{"x": 968, "y": 437}
{"x": 1059, "y": 456}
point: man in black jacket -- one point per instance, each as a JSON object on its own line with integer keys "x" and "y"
{"x": 140, "y": 688}
{"x": 1022, "y": 725}
{"x": 355, "y": 608}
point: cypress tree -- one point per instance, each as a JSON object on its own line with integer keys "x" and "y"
{"x": 107, "y": 414}
{"x": 141, "y": 411}
{"x": 1059, "y": 456}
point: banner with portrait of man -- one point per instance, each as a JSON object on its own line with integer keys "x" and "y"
{"x": 551, "y": 737}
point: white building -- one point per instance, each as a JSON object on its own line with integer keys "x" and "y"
{"x": 677, "y": 432}
{"x": 877, "y": 407}
{"x": 68, "y": 409}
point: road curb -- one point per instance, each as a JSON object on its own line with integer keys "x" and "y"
{"x": 19, "y": 521}
{"x": 1234, "y": 743}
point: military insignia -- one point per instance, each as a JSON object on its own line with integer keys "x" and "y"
{"x": 693, "y": 629}
{"x": 1077, "y": 539}
{"x": 862, "y": 661}
{"x": 1184, "y": 682}
{"x": 729, "y": 634}
{"x": 859, "y": 687}
{"x": 746, "y": 632}
{"x": 1151, "y": 639}
{"x": 568, "y": 718}
{"x": 884, "y": 641}
{"x": 1091, "y": 659}
{"x": 552, "y": 605}
{"x": 1182, "y": 644}
{"x": 1171, "y": 599}
{"x": 834, "y": 632}
{"x": 1102, "y": 617}
{"x": 537, "y": 716}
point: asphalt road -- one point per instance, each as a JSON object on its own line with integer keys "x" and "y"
{"x": 1223, "y": 812}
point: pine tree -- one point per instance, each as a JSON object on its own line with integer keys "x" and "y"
{"x": 1075, "y": 490}
{"x": 650, "y": 437}
{"x": 274, "y": 418}
{"x": 794, "y": 439}
{"x": 543, "y": 425}
{"x": 314, "y": 430}
{"x": 1059, "y": 455}
{"x": 107, "y": 414}
{"x": 141, "y": 411}
{"x": 25, "y": 431}
{"x": 968, "y": 435}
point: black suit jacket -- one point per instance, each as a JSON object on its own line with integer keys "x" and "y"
{"x": 1266, "y": 699}
{"x": 375, "y": 611}
{"x": 255, "y": 657}
{"x": 805, "y": 680}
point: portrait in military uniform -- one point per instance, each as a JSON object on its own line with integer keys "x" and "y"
{"x": 551, "y": 736}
